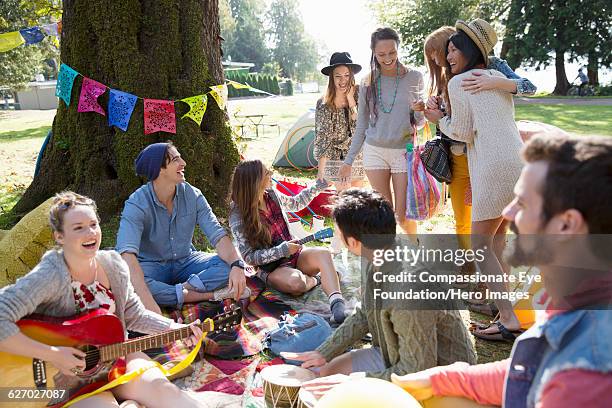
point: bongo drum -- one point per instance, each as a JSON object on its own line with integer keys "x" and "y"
{"x": 306, "y": 399}
{"x": 281, "y": 384}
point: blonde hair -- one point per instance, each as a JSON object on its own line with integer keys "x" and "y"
{"x": 64, "y": 201}
{"x": 330, "y": 93}
{"x": 436, "y": 43}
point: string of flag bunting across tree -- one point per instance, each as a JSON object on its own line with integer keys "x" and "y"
{"x": 29, "y": 36}
{"x": 159, "y": 115}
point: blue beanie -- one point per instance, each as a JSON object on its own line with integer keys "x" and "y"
{"x": 150, "y": 159}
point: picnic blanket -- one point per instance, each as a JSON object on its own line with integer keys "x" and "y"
{"x": 315, "y": 301}
{"x": 260, "y": 314}
{"x": 233, "y": 360}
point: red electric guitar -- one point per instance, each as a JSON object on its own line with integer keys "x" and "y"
{"x": 98, "y": 333}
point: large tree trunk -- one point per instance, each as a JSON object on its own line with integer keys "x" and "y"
{"x": 562, "y": 84}
{"x": 593, "y": 70}
{"x": 160, "y": 49}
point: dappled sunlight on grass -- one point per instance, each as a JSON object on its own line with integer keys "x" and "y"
{"x": 583, "y": 119}
{"x": 34, "y": 133}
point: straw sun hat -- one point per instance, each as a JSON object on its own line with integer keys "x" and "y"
{"x": 481, "y": 33}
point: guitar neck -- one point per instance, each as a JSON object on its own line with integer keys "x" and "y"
{"x": 306, "y": 239}
{"x": 114, "y": 351}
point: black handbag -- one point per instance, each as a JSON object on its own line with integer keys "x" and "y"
{"x": 437, "y": 160}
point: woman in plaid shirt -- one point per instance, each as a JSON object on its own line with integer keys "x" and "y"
{"x": 261, "y": 230}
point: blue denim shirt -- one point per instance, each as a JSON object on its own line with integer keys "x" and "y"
{"x": 523, "y": 85}
{"x": 147, "y": 230}
{"x": 578, "y": 339}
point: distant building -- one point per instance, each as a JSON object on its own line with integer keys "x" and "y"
{"x": 37, "y": 95}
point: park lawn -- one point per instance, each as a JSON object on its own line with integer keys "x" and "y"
{"x": 578, "y": 119}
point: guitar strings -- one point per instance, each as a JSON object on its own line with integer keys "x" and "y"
{"x": 94, "y": 356}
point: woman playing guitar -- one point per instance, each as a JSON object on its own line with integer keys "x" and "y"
{"x": 262, "y": 233}
{"x": 77, "y": 277}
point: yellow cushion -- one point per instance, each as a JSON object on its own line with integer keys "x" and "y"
{"x": 22, "y": 246}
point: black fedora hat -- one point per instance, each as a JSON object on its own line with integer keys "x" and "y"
{"x": 340, "y": 58}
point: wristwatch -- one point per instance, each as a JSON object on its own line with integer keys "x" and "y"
{"x": 239, "y": 263}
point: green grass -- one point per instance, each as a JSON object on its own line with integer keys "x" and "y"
{"x": 17, "y": 135}
{"x": 547, "y": 95}
{"x": 579, "y": 119}
{"x": 8, "y": 198}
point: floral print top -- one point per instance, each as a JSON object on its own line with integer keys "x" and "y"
{"x": 92, "y": 296}
{"x": 333, "y": 130}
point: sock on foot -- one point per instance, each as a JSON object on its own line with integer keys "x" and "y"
{"x": 337, "y": 307}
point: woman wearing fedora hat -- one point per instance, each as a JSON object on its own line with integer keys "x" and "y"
{"x": 435, "y": 58}
{"x": 335, "y": 120}
{"x": 385, "y": 122}
{"x": 485, "y": 122}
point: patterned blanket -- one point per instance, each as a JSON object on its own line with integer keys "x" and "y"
{"x": 237, "y": 383}
{"x": 260, "y": 314}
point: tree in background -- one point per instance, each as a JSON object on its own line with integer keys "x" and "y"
{"x": 594, "y": 42}
{"x": 154, "y": 49}
{"x": 19, "y": 65}
{"x": 292, "y": 48}
{"x": 415, "y": 19}
{"x": 242, "y": 28}
{"x": 540, "y": 31}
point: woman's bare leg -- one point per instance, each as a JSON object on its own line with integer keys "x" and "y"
{"x": 314, "y": 260}
{"x": 400, "y": 185}
{"x": 483, "y": 235}
{"x": 380, "y": 180}
{"x": 152, "y": 388}
{"x": 290, "y": 280}
{"x": 105, "y": 399}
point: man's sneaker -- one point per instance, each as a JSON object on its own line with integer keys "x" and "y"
{"x": 225, "y": 293}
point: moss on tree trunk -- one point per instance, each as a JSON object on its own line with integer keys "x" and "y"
{"x": 160, "y": 49}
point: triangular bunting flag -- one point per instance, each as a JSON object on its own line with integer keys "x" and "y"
{"x": 32, "y": 35}
{"x": 65, "y": 81}
{"x": 219, "y": 92}
{"x": 120, "y": 108}
{"x": 198, "y": 107}
{"x": 237, "y": 85}
{"x": 11, "y": 40}
{"x": 90, "y": 91}
{"x": 260, "y": 91}
{"x": 159, "y": 116}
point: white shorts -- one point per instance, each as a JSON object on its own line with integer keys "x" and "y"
{"x": 383, "y": 158}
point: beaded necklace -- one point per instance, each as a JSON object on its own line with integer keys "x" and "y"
{"x": 382, "y": 106}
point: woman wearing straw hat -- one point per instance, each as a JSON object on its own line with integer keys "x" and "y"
{"x": 435, "y": 58}
{"x": 485, "y": 122}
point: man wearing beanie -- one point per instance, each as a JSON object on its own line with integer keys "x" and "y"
{"x": 155, "y": 238}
